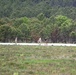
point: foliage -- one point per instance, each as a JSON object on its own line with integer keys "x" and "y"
{"x": 21, "y": 8}
{"x": 7, "y": 32}
{"x": 41, "y": 16}
{"x": 56, "y": 28}
{"x": 31, "y": 19}
{"x": 25, "y": 30}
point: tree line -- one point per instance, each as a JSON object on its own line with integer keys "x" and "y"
{"x": 28, "y": 20}
{"x": 57, "y": 28}
{"x": 31, "y": 8}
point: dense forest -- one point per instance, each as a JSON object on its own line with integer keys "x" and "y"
{"x": 28, "y": 20}
{"x": 31, "y": 8}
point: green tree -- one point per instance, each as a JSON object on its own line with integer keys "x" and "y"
{"x": 25, "y": 31}
{"x": 7, "y": 33}
{"x": 65, "y": 25}
{"x": 46, "y": 31}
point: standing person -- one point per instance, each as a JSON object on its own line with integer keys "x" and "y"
{"x": 16, "y": 40}
{"x": 39, "y": 40}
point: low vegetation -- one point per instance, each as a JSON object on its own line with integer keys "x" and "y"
{"x": 37, "y": 60}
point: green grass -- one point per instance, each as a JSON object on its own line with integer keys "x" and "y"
{"x": 37, "y": 60}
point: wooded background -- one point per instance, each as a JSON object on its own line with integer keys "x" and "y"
{"x": 30, "y": 19}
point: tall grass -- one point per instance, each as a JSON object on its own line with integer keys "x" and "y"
{"x": 37, "y": 60}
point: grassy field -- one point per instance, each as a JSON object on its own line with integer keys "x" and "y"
{"x": 37, "y": 60}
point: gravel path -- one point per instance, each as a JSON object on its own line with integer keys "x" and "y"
{"x": 39, "y": 44}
